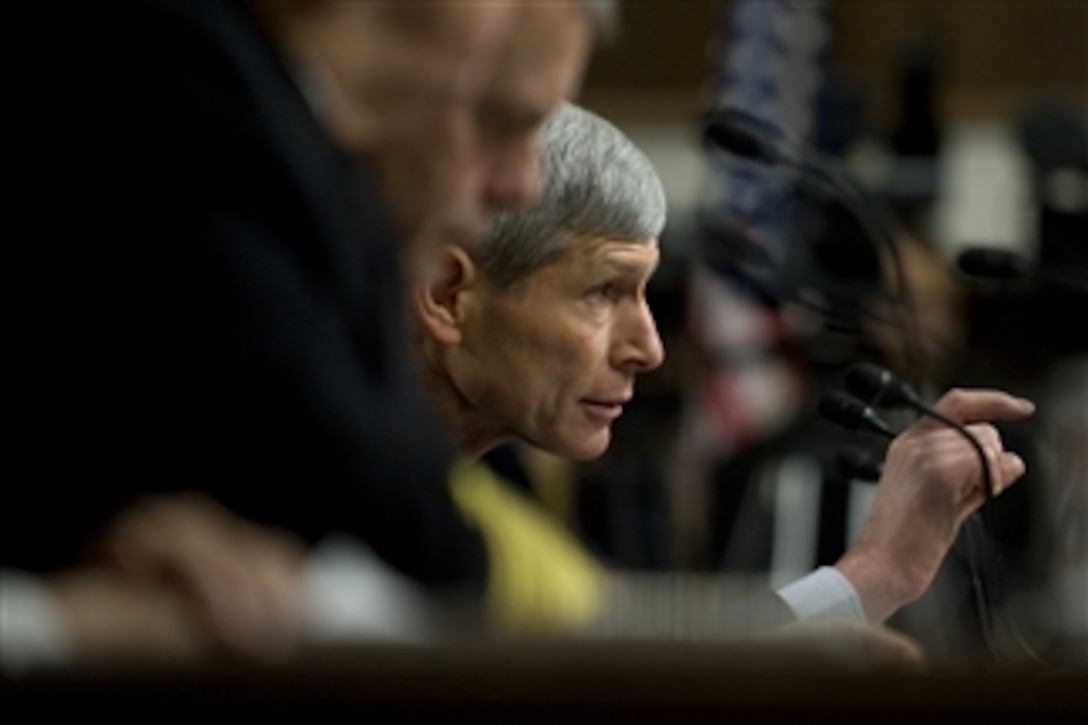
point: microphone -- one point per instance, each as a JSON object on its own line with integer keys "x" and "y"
{"x": 880, "y": 387}
{"x": 747, "y": 136}
{"x": 849, "y": 412}
{"x": 750, "y": 137}
{"x": 998, "y": 265}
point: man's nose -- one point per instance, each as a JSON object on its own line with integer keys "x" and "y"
{"x": 641, "y": 349}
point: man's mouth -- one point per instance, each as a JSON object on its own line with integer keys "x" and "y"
{"x": 604, "y": 409}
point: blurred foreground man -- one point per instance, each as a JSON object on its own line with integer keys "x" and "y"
{"x": 212, "y": 197}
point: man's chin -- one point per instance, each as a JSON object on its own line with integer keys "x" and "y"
{"x": 588, "y": 449}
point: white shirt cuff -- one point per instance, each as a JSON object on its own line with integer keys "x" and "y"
{"x": 823, "y": 594}
{"x": 31, "y": 630}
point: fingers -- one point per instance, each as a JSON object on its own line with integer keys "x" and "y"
{"x": 989, "y": 440}
{"x": 1006, "y": 467}
{"x": 972, "y": 406}
{"x": 987, "y": 434}
{"x": 1012, "y": 468}
{"x": 241, "y": 578}
{"x": 947, "y": 465}
{"x": 158, "y": 531}
{"x": 245, "y": 579}
{"x": 947, "y": 445}
{"x": 251, "y": 594}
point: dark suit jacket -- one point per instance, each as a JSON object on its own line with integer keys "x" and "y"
{"x": 212, "y": 298}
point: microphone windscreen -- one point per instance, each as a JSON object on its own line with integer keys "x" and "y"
{"x": 744, "y": 135}
{"x": 878, "y": 385}
{"x": 985, "y": 263}
{"x": 844, "y": 409}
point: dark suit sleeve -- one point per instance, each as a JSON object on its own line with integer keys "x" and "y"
{"x": 215, "y": 301}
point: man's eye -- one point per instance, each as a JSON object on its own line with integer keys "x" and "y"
{"x": 606, "y": 291}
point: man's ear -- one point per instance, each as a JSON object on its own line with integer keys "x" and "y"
{"x": 441, "y": 302}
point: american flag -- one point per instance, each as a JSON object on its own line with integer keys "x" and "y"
{"x": 768, "y": 60}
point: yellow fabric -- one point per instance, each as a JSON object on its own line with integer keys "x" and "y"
{"x": 542, "y": 578}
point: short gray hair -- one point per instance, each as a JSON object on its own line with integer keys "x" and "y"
{"x": 596, "y": 183}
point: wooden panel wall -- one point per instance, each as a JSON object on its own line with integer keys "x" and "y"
{"x": 996, "y": 53}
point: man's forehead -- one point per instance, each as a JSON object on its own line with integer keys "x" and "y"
{"x": 469, "y": 35}
{"x": 589, "y": 253}
{"x": 438, "y": 18}
{"x": 616, "y": 250}
{"x": 542, "y": 59}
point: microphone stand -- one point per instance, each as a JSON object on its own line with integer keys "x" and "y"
{"x": 736, "y": 132}
{"x": 877, "y": 220}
